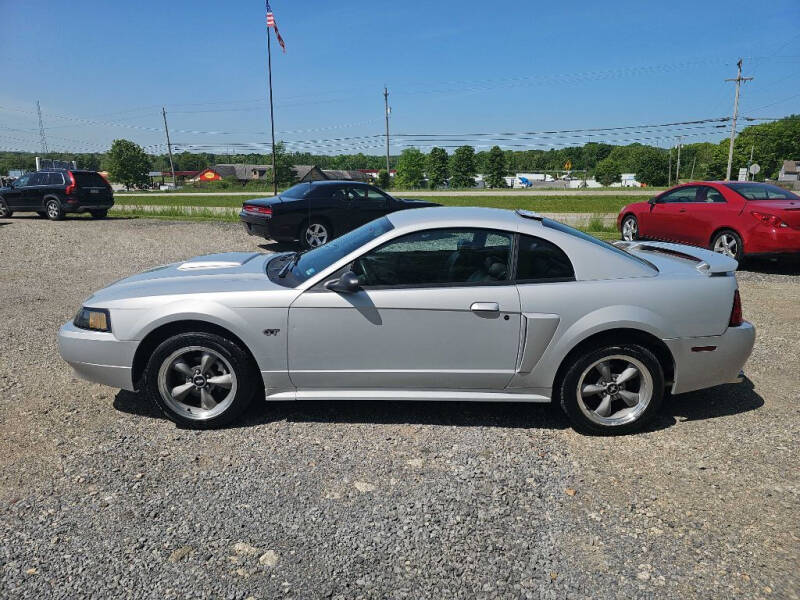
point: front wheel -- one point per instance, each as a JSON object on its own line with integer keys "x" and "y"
{"x": 99, "y": 214}
{"x": 613, "y": 389}
{"x": 54, "y": 210}
{"x": 201, "y": 380}
{"x": 729, "y": 243}
{"x": 630, "y": 229}
{"x": 314, "y": 234}
{"x": 5, "y": 212}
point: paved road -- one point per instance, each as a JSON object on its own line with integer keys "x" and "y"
{"x": 102, "y": 498}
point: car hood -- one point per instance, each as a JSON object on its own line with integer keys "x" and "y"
{"x": 213, "y": 273}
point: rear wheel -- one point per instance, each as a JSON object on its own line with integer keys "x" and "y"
{"x": 5, "y": 212}
{"x": 99, "y": 214}
{"x": 729, "y": 243}
{"x": 613, "y": 389}
{"x": 53, "y": 209}
{"x": 315, "y": 233}
{"x": 630, "y": 229}
{"x": 200, "y": 380}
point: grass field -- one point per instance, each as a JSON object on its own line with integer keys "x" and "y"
{"x": 582, "y": 204}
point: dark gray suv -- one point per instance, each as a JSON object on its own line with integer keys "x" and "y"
{"x": 53, "y": 193}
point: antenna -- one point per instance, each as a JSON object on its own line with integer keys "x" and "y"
{"x": 42, "y": 136}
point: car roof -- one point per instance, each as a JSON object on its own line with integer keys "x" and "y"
{"x": 326, "y": 182}
{"x": 465, "y": 216}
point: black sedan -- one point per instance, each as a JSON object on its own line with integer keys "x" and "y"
{"x": 318, "y": 211}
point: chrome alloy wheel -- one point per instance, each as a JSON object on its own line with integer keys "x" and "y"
{"x": 615, "y": 390}
{"x": 316, "y": 235}
{"x": 53, "y": 209}
{"x": 630, "y": 229}
{"x": 197, "y": 382}
{"x": 726, "y": 244}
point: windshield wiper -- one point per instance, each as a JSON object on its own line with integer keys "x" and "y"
{"x": 292, "y": 262}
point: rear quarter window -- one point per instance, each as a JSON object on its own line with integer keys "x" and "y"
{"x": 89, "y": 179}
{"x": 541, "y": 260}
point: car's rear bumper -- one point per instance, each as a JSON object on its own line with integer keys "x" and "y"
{"x": 773, "y": 240}
{"x": 266, "y": 227}
{"x": 702, "y": 362}
{"x": 98, "y": 356}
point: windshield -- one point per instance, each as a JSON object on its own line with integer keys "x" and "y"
{"x": 762, "y": 191}
{"x": 318, "y": 259}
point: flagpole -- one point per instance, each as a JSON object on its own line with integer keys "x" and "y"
{"x": 271, "y": 116}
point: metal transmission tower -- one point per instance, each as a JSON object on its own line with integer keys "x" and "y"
{"x": 739, "y": 79}
{"x": 42, "y": 136}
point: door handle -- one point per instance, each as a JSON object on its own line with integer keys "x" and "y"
{"x": 485, "y": 307}
{"x": 682, "y": 210}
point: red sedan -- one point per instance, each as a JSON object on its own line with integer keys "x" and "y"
{"x": 735, "y": 218}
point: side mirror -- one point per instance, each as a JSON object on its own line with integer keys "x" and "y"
{"x": 346, "y": 284}
{"x": 652, "y": 200}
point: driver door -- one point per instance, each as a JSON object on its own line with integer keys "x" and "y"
{"x": 436, "y": 309}
{"x": 15, "y": 197}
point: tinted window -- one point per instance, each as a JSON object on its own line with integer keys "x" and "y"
{"x": 23, "y": 181}
{"x": 538, "y": 259}
{"x": 297, "y": 191}
{"x": 39, "y": 179}
{"x": 438, "y": 257}
{"x": 762, "y": 191}
{"x": 89, "y": 179}
{"x": 376, "y": 195}
{"x": 55, "y": 179}
{"x": 684, "y": 194}
{"x": 355, "y": 194}
{"x": 709, "y": 194}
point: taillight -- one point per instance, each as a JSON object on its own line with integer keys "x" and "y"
{"x": 768, "y": 219}
{"x": 736, "y": 311}
{"x": 258, "y": 210}
{"x": 71, "y": 185}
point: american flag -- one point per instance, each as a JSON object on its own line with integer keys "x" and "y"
{"x": 271, "y": 23}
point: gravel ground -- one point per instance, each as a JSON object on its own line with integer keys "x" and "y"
{"x": 100, "y": 497}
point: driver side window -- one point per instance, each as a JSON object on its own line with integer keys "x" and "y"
{"x": 438, "y": 257}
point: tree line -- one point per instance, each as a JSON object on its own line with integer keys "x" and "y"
{"x": 770, "y": 144}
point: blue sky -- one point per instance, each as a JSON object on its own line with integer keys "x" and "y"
{"x": 102, "y": 70}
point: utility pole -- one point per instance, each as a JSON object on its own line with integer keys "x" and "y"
{"x": 42, "y": 136}
{"x": 669, "y": 169}
{"x": 694, "y": 160}
{"x": 678, "y": 168}
{"x": 271, "y": 115}
{"x": 739, "y": 79}
{"x": 386, "y": 108}
{"x": 750, "y": 162}
{"x": 169, "y": 148}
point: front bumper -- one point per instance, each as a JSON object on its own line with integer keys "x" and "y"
{"x": 98, "y": 356}
{"x": 696, "y": 370}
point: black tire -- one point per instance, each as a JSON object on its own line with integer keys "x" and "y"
{"x": 5, "y": 212}
{"x": 53, "y": 209}
{"x": 160, "y": 377}
{"x": 728, "y": 238}
{"x": 620, "y": 420}
{"x": 99, "y": 214}
{"x": 42, "y": 214}
{"x": 633, "y": 223}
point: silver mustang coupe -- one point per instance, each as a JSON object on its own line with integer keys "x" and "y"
{"x": 430, "y": 304}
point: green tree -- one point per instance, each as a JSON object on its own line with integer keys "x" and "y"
{"x": 283, "y": 166}
{"x": 410, "y": 168}
{"x": 462, "y": 167}
{"x": 437, "y": 167}
{"x": 384, "y": 179}
{"x": 127, "y": 164}
{"x": 649, "y": 164}
{"x": 607, "y": 171}
{"x": 496, "y": 168}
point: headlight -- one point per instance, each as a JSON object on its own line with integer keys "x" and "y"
{"x": 96, "y": 319}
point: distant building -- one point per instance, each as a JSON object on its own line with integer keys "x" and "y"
{"x": 344, "y": 175}
{"x": 790, "y": 171}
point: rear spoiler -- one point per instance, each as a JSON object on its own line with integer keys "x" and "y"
{"x": 708, "y": 263}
